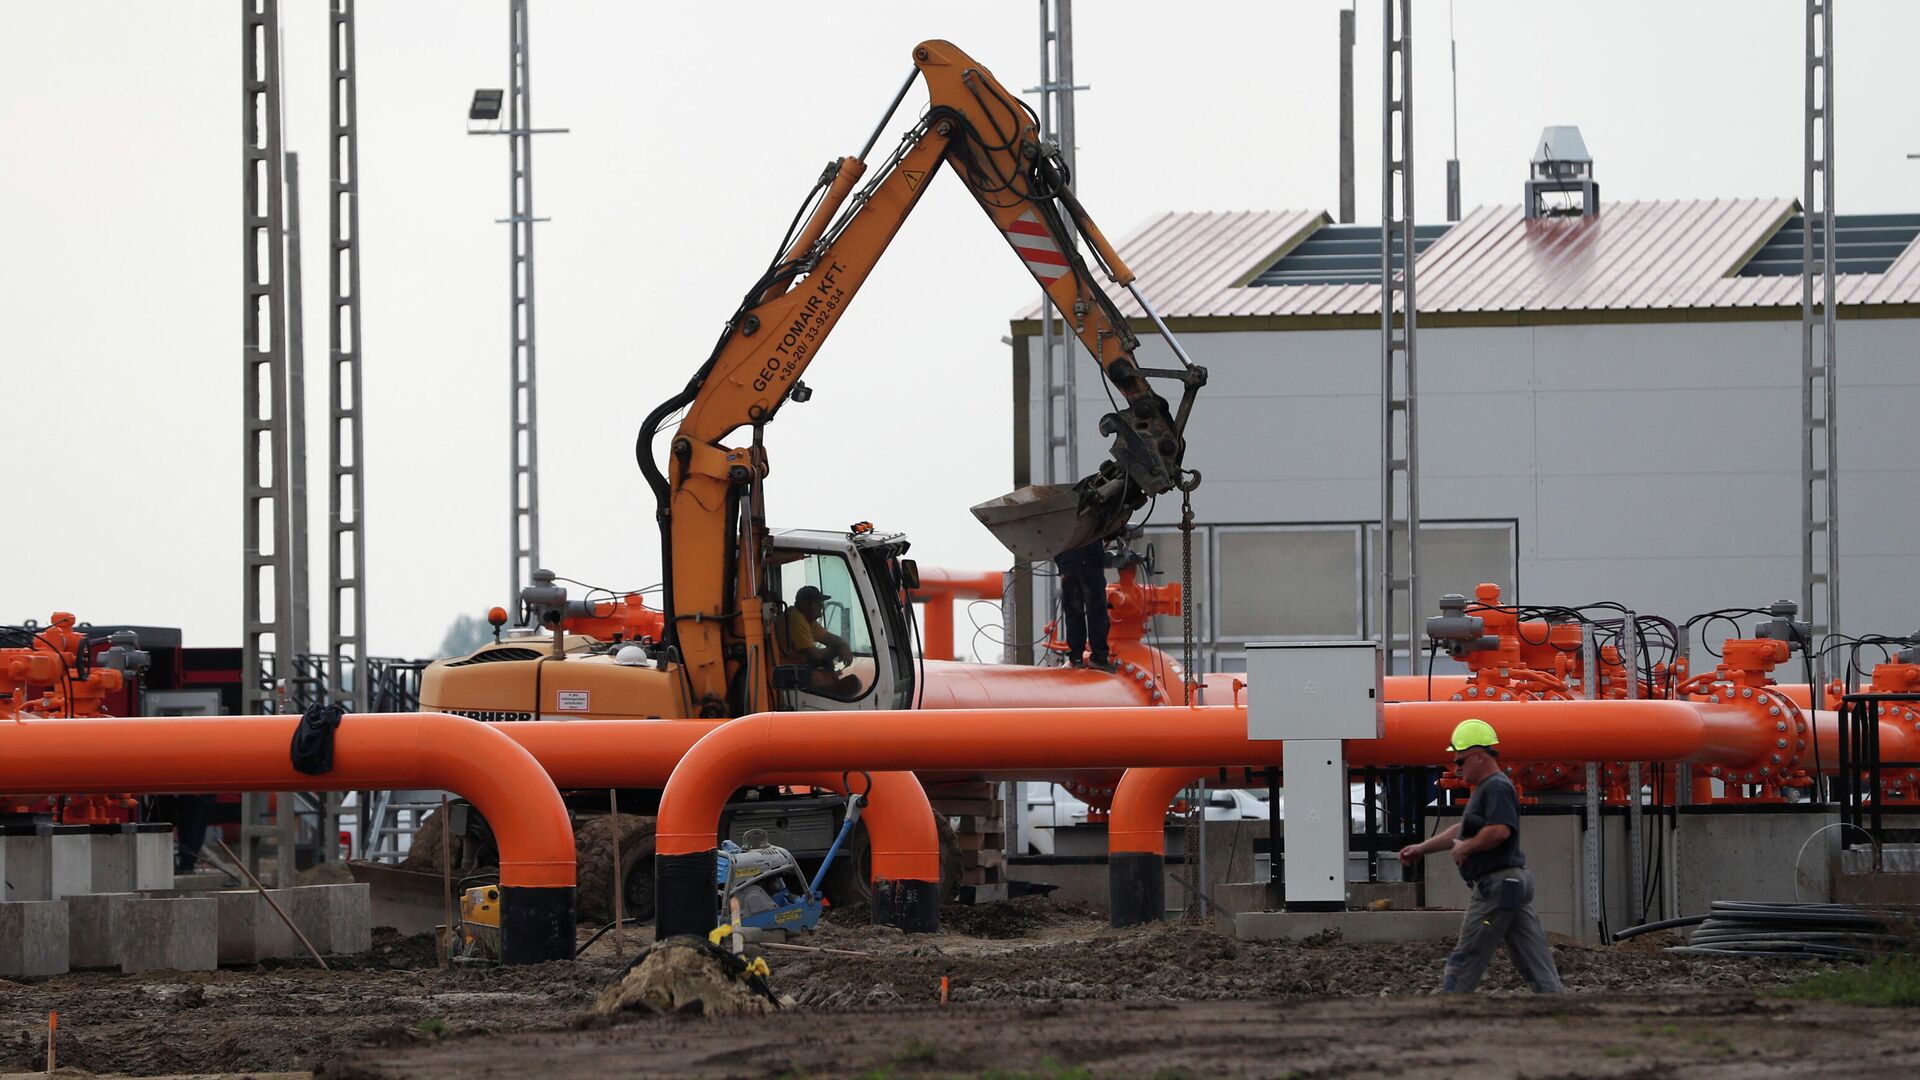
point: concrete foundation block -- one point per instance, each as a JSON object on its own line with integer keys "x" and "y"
{"x": 110, "y": 858}
{"x": 153, "y": 857}
{"x": 206, "y": 881}
{"x": 175, "y": 934}
{"x": 1364, "y": 927}
{"x": 91, "y": 922}
{"x": 48, "y": 862}
{"x": 71, "y": 861}
{"x": 1239, "y": 896}
{"x": 249, "y": 931}
{"x": 338, "y": 919}
{"x": 350, "y": 919}
{"x": 33, "y": 938}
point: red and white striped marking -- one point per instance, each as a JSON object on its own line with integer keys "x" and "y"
{"x": 1030, "y": 238}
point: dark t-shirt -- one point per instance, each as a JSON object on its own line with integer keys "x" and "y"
{"x": 1494, "y": 802}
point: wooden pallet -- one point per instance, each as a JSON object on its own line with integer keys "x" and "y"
{"x": 979, "y": 821}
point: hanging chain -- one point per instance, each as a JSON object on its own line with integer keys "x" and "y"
{"x": 1191, "y": 910}
{"x": 1187, "y": 484}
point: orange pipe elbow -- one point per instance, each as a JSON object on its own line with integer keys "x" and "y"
{"x": 1138, "y": 820}
{"x": 146, "y": 755}
{"x": 938, "y": 589}
{"x": 901, "y": 831}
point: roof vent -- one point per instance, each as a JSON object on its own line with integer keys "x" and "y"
{"x": 1561, "y": 165}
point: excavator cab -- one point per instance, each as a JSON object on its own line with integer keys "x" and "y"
{"x": 839, "y": 634}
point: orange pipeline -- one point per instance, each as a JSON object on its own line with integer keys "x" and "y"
{"x": 938, "y": 589}
{"x": 642, "y": 754}
{"x": 147, "y": 755}
{"x": 1047, "y": 740}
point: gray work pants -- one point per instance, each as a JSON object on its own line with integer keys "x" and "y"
{"x": 1487, "y": 926}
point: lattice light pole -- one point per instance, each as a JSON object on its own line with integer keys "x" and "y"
{"x": 266, "y": 527}
{"x": 524, "y": 435}
{"x": 346, "y": 492}
{"x": 1819, "y": 451}
{"x": 1399, "y": 430}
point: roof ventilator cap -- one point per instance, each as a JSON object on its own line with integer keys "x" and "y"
{"x": 1561, "y": 166}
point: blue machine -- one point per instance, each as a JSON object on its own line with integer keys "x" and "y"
{"x": 767, "y": 883}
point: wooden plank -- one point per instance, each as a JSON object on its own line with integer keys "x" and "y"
{"x": 966, "y": 808}
{"x": 991, "y": 824}
{"x": 963, "y": 789}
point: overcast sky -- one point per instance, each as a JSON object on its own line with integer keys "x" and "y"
{"x": 696, "y": 130}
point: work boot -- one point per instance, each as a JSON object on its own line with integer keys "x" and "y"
{"x": 1103, "y": 664}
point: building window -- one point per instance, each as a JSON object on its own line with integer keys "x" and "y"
{"x": 1314, "y": 581}
{"x": 1299, "y": 582}
{"x": 1455, "y": 556}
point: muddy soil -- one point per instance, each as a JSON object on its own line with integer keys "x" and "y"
{"x": 1033, "y": 987}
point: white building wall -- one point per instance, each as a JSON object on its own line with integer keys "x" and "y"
{"x": 1657, "y": 465}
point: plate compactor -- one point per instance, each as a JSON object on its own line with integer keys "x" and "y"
{"x": 761, "y": 887}
{"x": 761, "y": 891}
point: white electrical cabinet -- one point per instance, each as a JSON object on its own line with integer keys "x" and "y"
{"x": 1314, "y": 690}
{"x": 1313, "y": 696}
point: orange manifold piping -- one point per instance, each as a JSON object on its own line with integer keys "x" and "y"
{"x": 1047, "y": 740}
{"x": 251, "y": 753}
{"x": 598, "y": 754}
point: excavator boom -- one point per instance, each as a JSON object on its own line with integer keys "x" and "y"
{"x": 709, "y": 495}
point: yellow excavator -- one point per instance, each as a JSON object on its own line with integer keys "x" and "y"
{"x": 727, "y": 640}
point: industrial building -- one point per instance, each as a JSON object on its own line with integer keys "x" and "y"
{"x": 1610, "y": 409}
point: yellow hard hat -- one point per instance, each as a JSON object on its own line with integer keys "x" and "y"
{"x": 1471, "y": 734}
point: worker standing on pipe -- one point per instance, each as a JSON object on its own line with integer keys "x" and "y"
{"x": 1486, "y": 847}
{"x": 1083, "y": 602}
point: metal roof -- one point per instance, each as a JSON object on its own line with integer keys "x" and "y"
{"x": 1863, "y": 244}
{"x": 1342, "y": 255}
{"x": 1668, "y": 254}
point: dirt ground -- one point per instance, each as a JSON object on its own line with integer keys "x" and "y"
{"x": 1034, "y": 989}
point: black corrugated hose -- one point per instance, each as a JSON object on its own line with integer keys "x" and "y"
{"x": 1793, "y": 931}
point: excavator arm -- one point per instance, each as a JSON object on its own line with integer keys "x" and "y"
{"x": 710, "y": 496}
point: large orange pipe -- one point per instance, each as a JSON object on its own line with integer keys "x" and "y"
{"x": 901, "y": 832}
{"x": 1048, "y": 740}
{"x": 1137, "y": 842}
{"x": 1899, "y": 736}
{"x": 370, "y": 751}
{"x": 937, "y": 590}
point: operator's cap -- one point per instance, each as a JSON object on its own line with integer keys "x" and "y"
{"x": 807, "y": 593}
{"x": 1474, "y": 735}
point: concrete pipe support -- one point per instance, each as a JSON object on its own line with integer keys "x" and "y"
{"x": 150, "y": 755}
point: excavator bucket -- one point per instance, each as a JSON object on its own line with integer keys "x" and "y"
{"x": 1040, "y": 521}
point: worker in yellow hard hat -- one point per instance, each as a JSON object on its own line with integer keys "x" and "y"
{"x": 1486, "y": 847}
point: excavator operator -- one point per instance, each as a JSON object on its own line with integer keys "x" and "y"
{"x": 804, "y": 642}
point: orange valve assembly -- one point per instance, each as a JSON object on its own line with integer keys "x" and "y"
{"x": 49, "y": 677}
